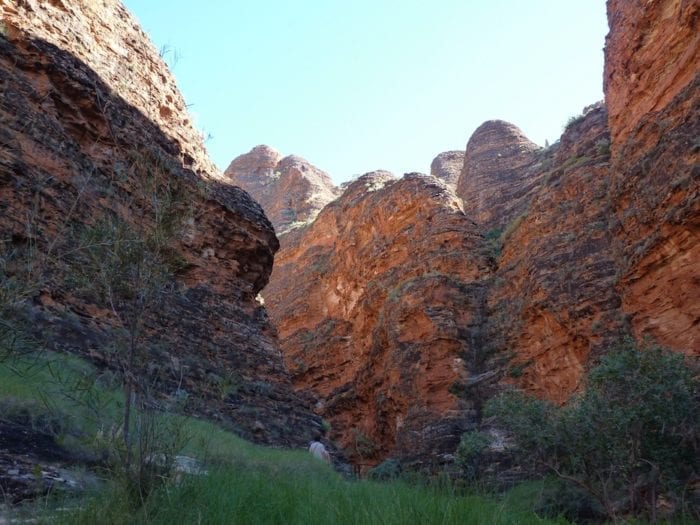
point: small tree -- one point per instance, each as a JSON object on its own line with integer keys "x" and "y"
{"x": 632, "y": 434}
{"x": 128, "y": 265}
{"x": 16, "y": 287}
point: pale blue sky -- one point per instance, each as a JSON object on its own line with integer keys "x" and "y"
{"x": 377, "y": 84}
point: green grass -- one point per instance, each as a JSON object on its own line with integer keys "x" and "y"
{"x": 245, "y": 484}
{"x": 300, "y": 492}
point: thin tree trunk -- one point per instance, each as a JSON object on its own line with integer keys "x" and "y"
{"x": 128, "y": 394}
{"x": 127, "y": 419}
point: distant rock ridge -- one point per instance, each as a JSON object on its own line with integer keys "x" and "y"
{"x": 290, "y": 189}
{"x": 448, "y": 166}
{"x": 498, "y": 174}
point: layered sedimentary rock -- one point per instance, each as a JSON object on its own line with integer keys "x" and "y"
{"x": 499, "y": 173}
{"x": 553, "y": 303}
{"x": 584, "y": 243}
{"x": 378, "y": 304}
{"x": 90, "y": 114}
{"x": 290, "y": 189}
{"x": 447, "y": 166}
{"x": 652, "y": 85}
{"x": 652, "y": 54}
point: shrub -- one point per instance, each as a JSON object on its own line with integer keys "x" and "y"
{"x": 470, "y": 452}
{"x": 632, "y": 435}
{"x": 388, "y": 469}
{"x": 602, "y": 146}
{"x": 573, "y": 120}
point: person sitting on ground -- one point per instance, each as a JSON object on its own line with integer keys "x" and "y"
{"x": 318, "y": 449}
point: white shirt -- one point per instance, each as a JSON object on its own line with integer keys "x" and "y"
{"x": 318, "y": 450}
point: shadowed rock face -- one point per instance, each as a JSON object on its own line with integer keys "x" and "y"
{"x": 447, "y": 166}
{"x": 377, "y": 303}
{"x": 290, "y": 190}
{"x": 109, "y": 41}
{"x": 88, "y": 110}
{"x": 652, "y": 84}
{"x": 499, "y": 173}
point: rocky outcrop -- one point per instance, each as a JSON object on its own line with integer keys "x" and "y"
{"x": 90, "y": 115}
{"x": 553, "y": 304}
{"x": 652, "y": 85}
{"x": 584, "y": 243}
{"x": 290, "y": 190}
{"x": 447, "y": 166}
{"x": 652, "y": 54}
{"x": 500, "y": 172}
{"x": 109, "y": 41}
{"x": 378, "y": 304}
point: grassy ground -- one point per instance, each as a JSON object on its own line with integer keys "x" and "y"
{"x": 245, "y": 483}
{"x": 296, "y": 491}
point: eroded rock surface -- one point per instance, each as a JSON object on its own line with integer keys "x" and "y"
{"x": 377, "y": 304}
{"x": 583, "y": 243}
{"x": 290, "y": 189}
{"x": 553, "y": 303}
{"x": 89, "y": 112}
{"x": 652, "y": 84}
{"x": 447, "y": 166}
{"x": 499, "y": 173}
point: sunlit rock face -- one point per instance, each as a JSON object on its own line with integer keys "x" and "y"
{"x": 291, "y": 190}
{"x": 553, "y": 304}
{"x": 498, "y": 174}
{"x": 378, "y": 304}
{"x": 89, "y": 112}
{"x": 652, "y": 85}
{"x": 562, "y": 252}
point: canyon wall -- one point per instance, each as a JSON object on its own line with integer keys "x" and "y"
{"x": 652, "y": 85}
{"x": 378, "y": 304}
{"x": 572, "y": 248}
{"x": 553, "y": 303}
{"x": 90, "y": 117}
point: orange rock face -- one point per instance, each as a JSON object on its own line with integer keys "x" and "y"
{"x": 584, "y": 243}
{"x": 652, "y": 85}
{"x": 652, "y": 53}
{"x": 553, "y": 302}
{"x": 499, "y": 172}
{"x": 377, "y": 305}
{"x": 290, "y": 190}
{"x": 106, "y": 38}
{"x": 89, "y": 111}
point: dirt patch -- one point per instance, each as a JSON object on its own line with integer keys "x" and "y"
{"x": 33, "y": 464}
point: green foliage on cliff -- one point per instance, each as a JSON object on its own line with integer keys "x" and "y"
{"x": 632, "y": 436}
{"x": 470, "y": 451}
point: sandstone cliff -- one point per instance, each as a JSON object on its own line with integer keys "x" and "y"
{"x": 499, "y": 172}
{"x": 89, "y": 112}
{"x": 652, "y": 85}
{"x": 290, "y": 190}
{"x": 572, "y": 248}
{"x": 553, "y": 303}
{"x": 377, "y": 304}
